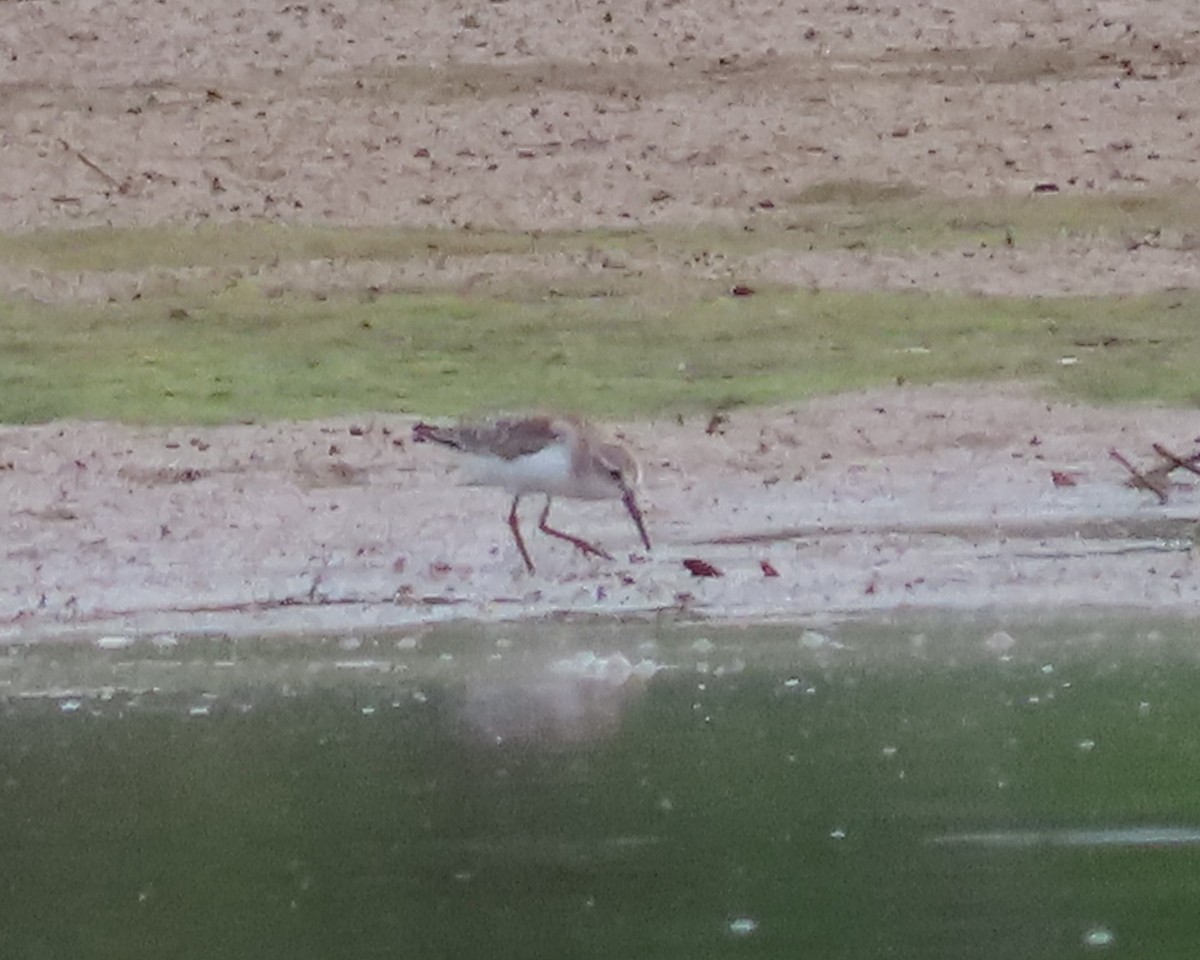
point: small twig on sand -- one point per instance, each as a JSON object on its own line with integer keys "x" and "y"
{"x": 87, "y": 162}
{"x": 1139, "y": 480}
{"x": 1191, "y": 463}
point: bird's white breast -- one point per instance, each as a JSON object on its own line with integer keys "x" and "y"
{"x": 547, "y": 471}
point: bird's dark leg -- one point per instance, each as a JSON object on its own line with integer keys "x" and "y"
{"x": 583, "y": 545}
{"x": 514, "y": 524}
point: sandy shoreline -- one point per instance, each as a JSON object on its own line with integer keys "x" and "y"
{"x": 872, "y": 503}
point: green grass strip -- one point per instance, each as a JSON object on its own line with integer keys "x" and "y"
{"x": 240, "y": 355}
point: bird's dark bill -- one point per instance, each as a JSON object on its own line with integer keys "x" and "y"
{"x": 636, "y": 512}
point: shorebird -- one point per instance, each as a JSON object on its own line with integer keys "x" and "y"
{"x": 555, "y": 456}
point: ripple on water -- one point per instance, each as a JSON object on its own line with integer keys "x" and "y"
{"x": 1102, "y": 837}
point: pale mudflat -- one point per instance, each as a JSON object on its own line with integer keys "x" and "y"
{"x": 907, "y": 499}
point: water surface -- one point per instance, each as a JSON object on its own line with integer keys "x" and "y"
{"x": 914, "y": 790}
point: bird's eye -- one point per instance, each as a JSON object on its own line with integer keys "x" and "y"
{"x": 615, "y": 474}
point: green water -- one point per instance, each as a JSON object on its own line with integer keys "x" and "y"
{"x": 607, "y": 791}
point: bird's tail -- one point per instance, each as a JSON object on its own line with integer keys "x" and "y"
{"x": 428, "y": 433}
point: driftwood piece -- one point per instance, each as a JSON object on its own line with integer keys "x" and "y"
{"x": 1157, "y": 479}
{"x": 1142, "y": 481}
{"x": 1191, "y": 463}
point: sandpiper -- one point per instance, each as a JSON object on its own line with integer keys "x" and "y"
{"x": 556, "y": 456}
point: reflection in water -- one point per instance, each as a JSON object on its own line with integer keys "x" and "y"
{"x": 571, "y": 700}
{"x": 606, "y": 791}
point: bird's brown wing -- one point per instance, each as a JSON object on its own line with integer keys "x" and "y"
{"x": 509, "y": 439}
